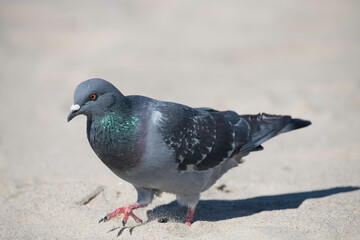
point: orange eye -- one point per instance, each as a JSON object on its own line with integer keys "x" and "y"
{"x": 93, "y": 96}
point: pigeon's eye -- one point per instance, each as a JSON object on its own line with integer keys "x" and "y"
{"x": 93, "y": 97}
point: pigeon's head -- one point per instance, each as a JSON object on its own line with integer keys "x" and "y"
{"x": 93, "y": 97}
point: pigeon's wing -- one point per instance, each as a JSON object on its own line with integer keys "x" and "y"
{"x": 201, "y": 139}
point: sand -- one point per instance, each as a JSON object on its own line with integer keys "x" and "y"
{"x": 294, "y": 57}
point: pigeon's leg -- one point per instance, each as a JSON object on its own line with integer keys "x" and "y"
{"x": 189, "y": 216}
{"x": 145, "y": 197}
{"x": 190, "y": 201}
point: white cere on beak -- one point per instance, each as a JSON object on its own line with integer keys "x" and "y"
{"x": 75, "y": 107}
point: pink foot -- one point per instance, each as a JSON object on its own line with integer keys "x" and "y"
{"x": 189, "y": 216}
{"x": 126, "y": 210}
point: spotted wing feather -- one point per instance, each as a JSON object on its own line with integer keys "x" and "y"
{"x": 200, "y": 139}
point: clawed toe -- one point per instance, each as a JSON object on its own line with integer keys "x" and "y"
{"x": 188, "y": 224}
{"x": 104, "y": 219}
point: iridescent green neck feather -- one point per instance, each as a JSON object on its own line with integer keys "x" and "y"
{"x": 115, "y": 123}
{"x": 113, "y": 129}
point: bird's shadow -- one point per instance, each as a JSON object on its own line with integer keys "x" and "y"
{"x": 216, "y": 210}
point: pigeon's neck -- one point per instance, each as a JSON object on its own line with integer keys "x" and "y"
{"x": 117, "y": 124}
{"x": 115, "y": 128}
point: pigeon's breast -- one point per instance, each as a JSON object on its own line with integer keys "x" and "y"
{"x": 117, "y": 141}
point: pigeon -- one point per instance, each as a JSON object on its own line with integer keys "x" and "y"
{"x": 160, "y": 146}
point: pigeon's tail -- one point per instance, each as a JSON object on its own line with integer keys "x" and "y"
{"x": 265, "y": 126}
{"x": 295, "y": 123}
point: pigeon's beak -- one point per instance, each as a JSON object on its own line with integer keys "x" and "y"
{"x": 74, "y": 111}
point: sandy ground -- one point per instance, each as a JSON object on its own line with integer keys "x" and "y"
{"x": 285, "y": 57}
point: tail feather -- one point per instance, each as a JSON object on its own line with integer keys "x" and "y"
{"x": 294, "y": 124}
{"x": 266, "y": 126}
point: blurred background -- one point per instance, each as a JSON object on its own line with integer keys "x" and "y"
{"x": 282, "y": 57}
